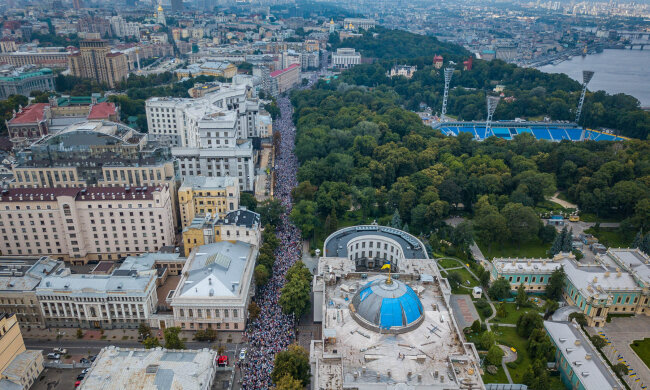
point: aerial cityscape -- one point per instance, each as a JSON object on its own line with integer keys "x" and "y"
{"x": 324, "y": 195}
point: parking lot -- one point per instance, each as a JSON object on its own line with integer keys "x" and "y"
{"x": 57, "y": 379}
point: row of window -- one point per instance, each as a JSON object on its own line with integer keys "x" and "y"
{"x": 208, "y": 313}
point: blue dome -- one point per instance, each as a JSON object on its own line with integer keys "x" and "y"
{"x": 386, "y": 306}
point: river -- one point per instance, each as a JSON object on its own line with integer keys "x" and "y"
{"x": 617, "y": 71}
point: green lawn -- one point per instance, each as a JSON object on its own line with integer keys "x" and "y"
{"x": 509, "y": 337}
{"x": 588, "y": 217}
{"x": 449, "y": 263}
{"x": 642, "y": 348}
{"x": 499, "y": 377}
{"x": 513, "y": 314}
{"x": 612, "y": 237}
{"x": 534, "y": 248}
{"x": 466, "y": 277}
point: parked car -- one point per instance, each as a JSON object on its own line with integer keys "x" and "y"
{"x": 85, "y": 371}
{"x": 62, "y": 351}
{"x": 222, "y": 361}
{"x": 53, "y": 356}
{"x": 80, "y": 377}
{"x": 84, "y": 361}
{"x": 92, "y": 358}
{"x": 76, "y": 384}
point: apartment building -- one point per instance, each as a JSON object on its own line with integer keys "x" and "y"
{"x": 239, "y": 225}
{"x": 200, "y": 195}
{"x": 57, "y": 60}
{"x": 19, "y": 368}
{"x": 285, "y": 79}
{"x": 94, "y": 60}
{"x": 119, "y": 300}
{"x": 19, "y": 278}
{"x": 81, "y": 224}
{"x": 215, "y": 287}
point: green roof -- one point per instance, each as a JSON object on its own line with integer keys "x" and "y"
{"x": 28, "y": 75}
{"x": 78, "y": 100}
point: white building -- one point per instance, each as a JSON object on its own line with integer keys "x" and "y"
{"x": 151, "y": 369}
{"x": 357, "y": 23}
{"x": 345, "y": 58}
{"x": 309, "y": 60}
{"x": 122, "y": 28}
{"x": 215, "y": 287}
{"x": 121, "y": 300}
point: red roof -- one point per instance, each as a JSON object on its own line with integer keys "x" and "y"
{"x": 437, "y": 58}
{"x": 30, "y": 114}
{"x": 279, "y": 72}
{"x": 102, "y": 110}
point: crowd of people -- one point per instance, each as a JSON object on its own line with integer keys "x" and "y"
{"x": 273, "y": 330}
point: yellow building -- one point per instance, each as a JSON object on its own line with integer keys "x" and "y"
{"x": 240, "y": 225}
{"x": 217, "y": 69}
{"x": 11, "y": 340}
{"x": 200, "y": 196}
{"x": 19, "y": 368}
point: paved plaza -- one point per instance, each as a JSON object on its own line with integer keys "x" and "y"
{"x": 464, "y": 310}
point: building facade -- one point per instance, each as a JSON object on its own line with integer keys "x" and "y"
{"x": 216, "y": 287}
{"x": 357, "y": 23}
{"x": 345, "y": 58}
{"x": 200, "y": 195}
{"x": 24, "y": 82}
{"x": 240, "y": 225}
{"x": 19, "y": 368}
{"x": 285, "y": 79}
{"x": 50, "y": 59}
{"x": 81, "y": 224}
{"x": 94, "y": 60}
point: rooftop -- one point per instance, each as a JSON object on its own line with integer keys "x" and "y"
{"x": 80, "y": 193}
{"x": 102, "y": 111}
{"x": 151, "y": 369}
{"x": 100, "y": 285}
{"x": 207, "y": 183}
{"x": 336, "y": 244}
{"x": 30, "y": 114}
{"x": 279, "y": 72}
{"x": 26, "y": 274}
{"x": 18, "y": 367}
{"x": 584, "y": 360}
{"x": 241, "y": 217}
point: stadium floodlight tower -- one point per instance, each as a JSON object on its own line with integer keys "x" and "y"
{"x": 492, "y": 102}
{"x": 448, "y": 73}
{"x": 586, "y": 78}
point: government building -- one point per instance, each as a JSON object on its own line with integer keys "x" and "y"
{"x": 386, "y": 330}
{"x": 617, "y": 283}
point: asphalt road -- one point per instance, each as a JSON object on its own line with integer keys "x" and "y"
{"x": 95, "y": 345}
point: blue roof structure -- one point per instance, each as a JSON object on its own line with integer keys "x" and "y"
{"x": 387, "y": 306}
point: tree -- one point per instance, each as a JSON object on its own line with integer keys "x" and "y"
{"x": 295, "y": 297}
{"x": 494, "y": 355}
{"x": 144, "y": 330}
{"x": 304, "y": 216}
{"x": 248, "y": 200}
{"x": 476, "y": 326}
{"x": 270, "y": 211}
{"x": 598, "y": 341}
{"x": 261, "y": 274}
{"x": 205, "y": 335}
{"x": 172, "y": 341}
{"x": 501, "y": 310}
{"x": 462, "y": 236}
{"x": 522, "y": 221}
{"x": 455, "y": 279}
{"x": 638, "y": 239}
{"x": 540, "y": 345}
{"x": 580, "y": 318}
{"x": 527, "y": 322}
{"x": 293, "y": 362}
{"x": 298, "y": 271}
{"x": 486, "y": 340}
{"x": 555, "y": 284}
{"x": 396, "y": 221}
{"x": 550, "y": 306}
{"x": 80, "y": 333}
{"x": 287, "y": 382}
{"x": 253, "y": 311}
{"x": 151, "y": 342}
{"x": 522, "y": 297}
{"x": 621, "y": 369}
{"x": 500, "y": 289}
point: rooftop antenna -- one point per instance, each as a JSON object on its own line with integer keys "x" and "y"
{"x": 448, "y": 73}
{"x": 586, "y": 78}
{"x": 492, "y": 102}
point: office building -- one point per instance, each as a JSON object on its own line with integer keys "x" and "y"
{"x": 24, "y": 81}
{"x": 240, "y": 225}
{"x": 200, "y": 196}
{"x": 386, "y": 331}
{"x": 19, "y": 367}
{"x": 152, "y": 369}
{"x": 617, "y": 283}
{"x": 285, "y": 79}
{"x": 580, "y": 364}
{"x": 19, "y": 278}
{"x": 94, "y": 60}
{"x": 345, "y": 58}
{"x": 124, "y": 299}
{"x": 80, "y": 224}
{"x": 215, "y": 287}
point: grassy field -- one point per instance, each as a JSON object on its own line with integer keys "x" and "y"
{"x": 533, "y": 248}
{"x": 642, "y": 348}
{"x": 466, "y": 276}
{"x": 499, "y": 377}
{"x": 509, "y": 337}
{"x": 612, "y": 237}
{"x": 513, "y": 314}
{"x": 449, "y": 263}
{"x": 588, "y": 217}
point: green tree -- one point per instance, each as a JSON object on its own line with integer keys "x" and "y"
{"x": 396, "y": 221}
{"x": 556, "y": 284}
{"x": 540, "y": 345}
{"x": 144, "y": 330}
{"x": 500, "y": 289}
{"x": 253, "y": 311}
{"x": 523, "y": 223}
{"x": 476, "y": 326}
{"x": 550, "y": 306}
{"x": 261, "y": 274}
{"x": 151, "y": 342}
{"x": 522, "y": 296}
{"x": 580, "y": 318}
{"x": 598, "y": 341}
{"x": 248, "y": 200}
{"x": 494, "y": 355}
{"x": 304, "y": 216}
{"x": 486, "y": 340}
{"x": 293, "y": 362}
{"x": 454, "y": 279}
{"x": 298, "y": 271}
{"x": 621, "y": 369}
{"x": 295, "y": 297}
{"x": 527, "y": 322}
{"x": 172, "y": 341}
{"x": 270, "y": 211}
{"x": 287, "y": 382}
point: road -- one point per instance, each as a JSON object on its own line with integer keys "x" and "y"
{"x": 83, "y": 346}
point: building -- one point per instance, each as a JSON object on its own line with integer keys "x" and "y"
{"x": 240, "y": 225}
{"x": 437, "y": 61}
{"x": 19, "y": 278}
{"x": 345, "y": 58}
{"x": 403, "y": 70}
{"x": 152, "y": 369}
{"x": 24, "y": 81}
{"x": 310, "y": 59}
{"x": 285, "y": 79}
{"x": 200, "y": 196}
{"x": 386, "y": 331}
{"x": 94, "y": 60}
{"x": 8, "y": 45}
{"x": 215, "y": 287}
{"x": 122, "y": 28}
{"x": 358, "y": 23}
{"x": 210, "y": 68}
{"x": 19, "y": 368}
{"x": 617, "y": 283}
{"x": 160, "y": 16}
{"x": 124, "y": 299}
{"x": 79, "y": 224}
{"x": 580, "y": 364}
{"x": 199, "y": 90}
{"x": 58, "y": 60}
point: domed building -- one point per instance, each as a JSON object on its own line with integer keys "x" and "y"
{"x": 388, "y": 306}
